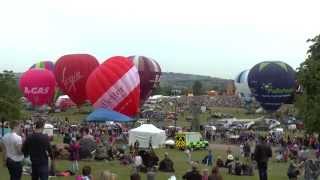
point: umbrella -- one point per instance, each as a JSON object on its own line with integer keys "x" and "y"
{"x": 103, "y": 115}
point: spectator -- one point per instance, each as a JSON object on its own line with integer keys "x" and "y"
{"x": 229, "y": 160}
{"x": 37, "y": 146}
{"x": 12, "y": 156}
{"x": 193, "y": 174}
{"x": 85, "y": 134}
{"x": 151, "y": 174}
{"x": 106, "y": 175}
{"x": 247, "y": 167}
{"x": 172, "y": 177}
{"x": 166, "y": 165}
{"x": 215, "y": 175}
{"x": 205, "y": 174}
{"x": 138, "y": 162}
{"x": 208, "y": 159}
{"x": 312, "y": 169}
{"x": 67, "y": 138}
{"x": 135, "y": 176}
{"x": 86, "y": 174}
{"x": 236, "y": 167}
{"x": 262, "y": 154}
{"x": 247, "y": 150}
{"x": 189, "y": 157}
{"x": 75, "y": 154}
{"x": 294, "y": 169}
{"x": 219, "y": 162}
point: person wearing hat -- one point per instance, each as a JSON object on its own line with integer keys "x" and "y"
{"x": 194, "y": 174}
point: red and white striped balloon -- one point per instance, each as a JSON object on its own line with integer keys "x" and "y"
{"x": 115, "y": 85}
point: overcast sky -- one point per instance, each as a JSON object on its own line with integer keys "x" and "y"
{"x": 209, "y": 37}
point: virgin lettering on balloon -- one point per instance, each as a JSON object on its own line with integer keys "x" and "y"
{"x": 119, "y": 91}
{"x": 70, "y": 81}
{"x": 36, "y": 90}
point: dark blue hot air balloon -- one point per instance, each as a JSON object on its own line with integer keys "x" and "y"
{"x": 272, "y": 83}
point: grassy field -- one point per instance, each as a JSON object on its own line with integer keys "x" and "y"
{"x": 277, "y": 171}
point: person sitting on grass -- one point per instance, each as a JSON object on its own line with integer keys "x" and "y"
{"x": 151, "y": 173}
{"x": 67, "y": 138}
{"x": 135, "y": 174}
{"x": 166, "y": 165}
{"x": 229, "y": 161}
{"x": 106, "y": 175}
{"x": 205, "y": 174}
{"x": 235, "y": 167}
{"x": 138, "y": 162}
{"x": 215, "y": 175}
{"x": 294, "y": 168}
{"x": 193, "y": 174}
{"x": 247, "y": 167}
{"x": 86, "y": 174}
{"x": 207, "y": 160}
{"x": 219, "y": 162}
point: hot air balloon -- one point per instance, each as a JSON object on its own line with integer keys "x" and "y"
{"x": 44, "y": 65}
{"x": 38, "y": 86}
{"x": 71, "y": 72}
{"x": 115, "y": 85}
{"x": 272, "y": 83}
{"x": 242, "y": 87}
{"x": 48, "y": 65}
{"x": 149, "y": 72}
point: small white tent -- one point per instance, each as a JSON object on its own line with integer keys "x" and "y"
{"x": 144, "y": 133}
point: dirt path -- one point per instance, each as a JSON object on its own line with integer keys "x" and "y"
{"x": 224, "y": 147}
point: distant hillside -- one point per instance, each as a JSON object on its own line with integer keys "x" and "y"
{"x": 185, "y": 81}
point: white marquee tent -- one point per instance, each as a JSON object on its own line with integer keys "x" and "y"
{"x": 144, "y": 133}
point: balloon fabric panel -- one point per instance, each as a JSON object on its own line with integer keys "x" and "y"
{"x": 115, "y": 85}
{"x": 72, "y": 72}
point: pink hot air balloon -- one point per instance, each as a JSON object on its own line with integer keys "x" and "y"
{"x": 115, "y": 85}
{"x": 71, "y": 72}
{"x": 38, "y": 86}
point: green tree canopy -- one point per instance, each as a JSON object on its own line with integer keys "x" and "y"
{"x": 308, "y": 103}
{"x": 10, "y": 106}
{"x": 197, "y": 88}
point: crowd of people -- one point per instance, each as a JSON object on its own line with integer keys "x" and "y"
{"x": 109, "y": 143}
{"x": 214, "y": 101}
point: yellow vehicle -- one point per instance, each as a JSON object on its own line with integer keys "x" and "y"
{"x": 190, "y": 140}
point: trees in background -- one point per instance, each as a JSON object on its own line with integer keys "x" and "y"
{"x": 308, "y": 103}
{"x": 197, "y": 88}
{"x": 10, "y": 103}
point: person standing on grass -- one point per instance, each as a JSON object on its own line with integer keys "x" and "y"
{"x": 12, "y": 156}
{"x": 37, "y": 146}
{"x": 262, "y": 154}
{"x": 75, "y": 154}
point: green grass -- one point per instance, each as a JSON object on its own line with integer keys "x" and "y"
{"x": 277, "y": 171}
